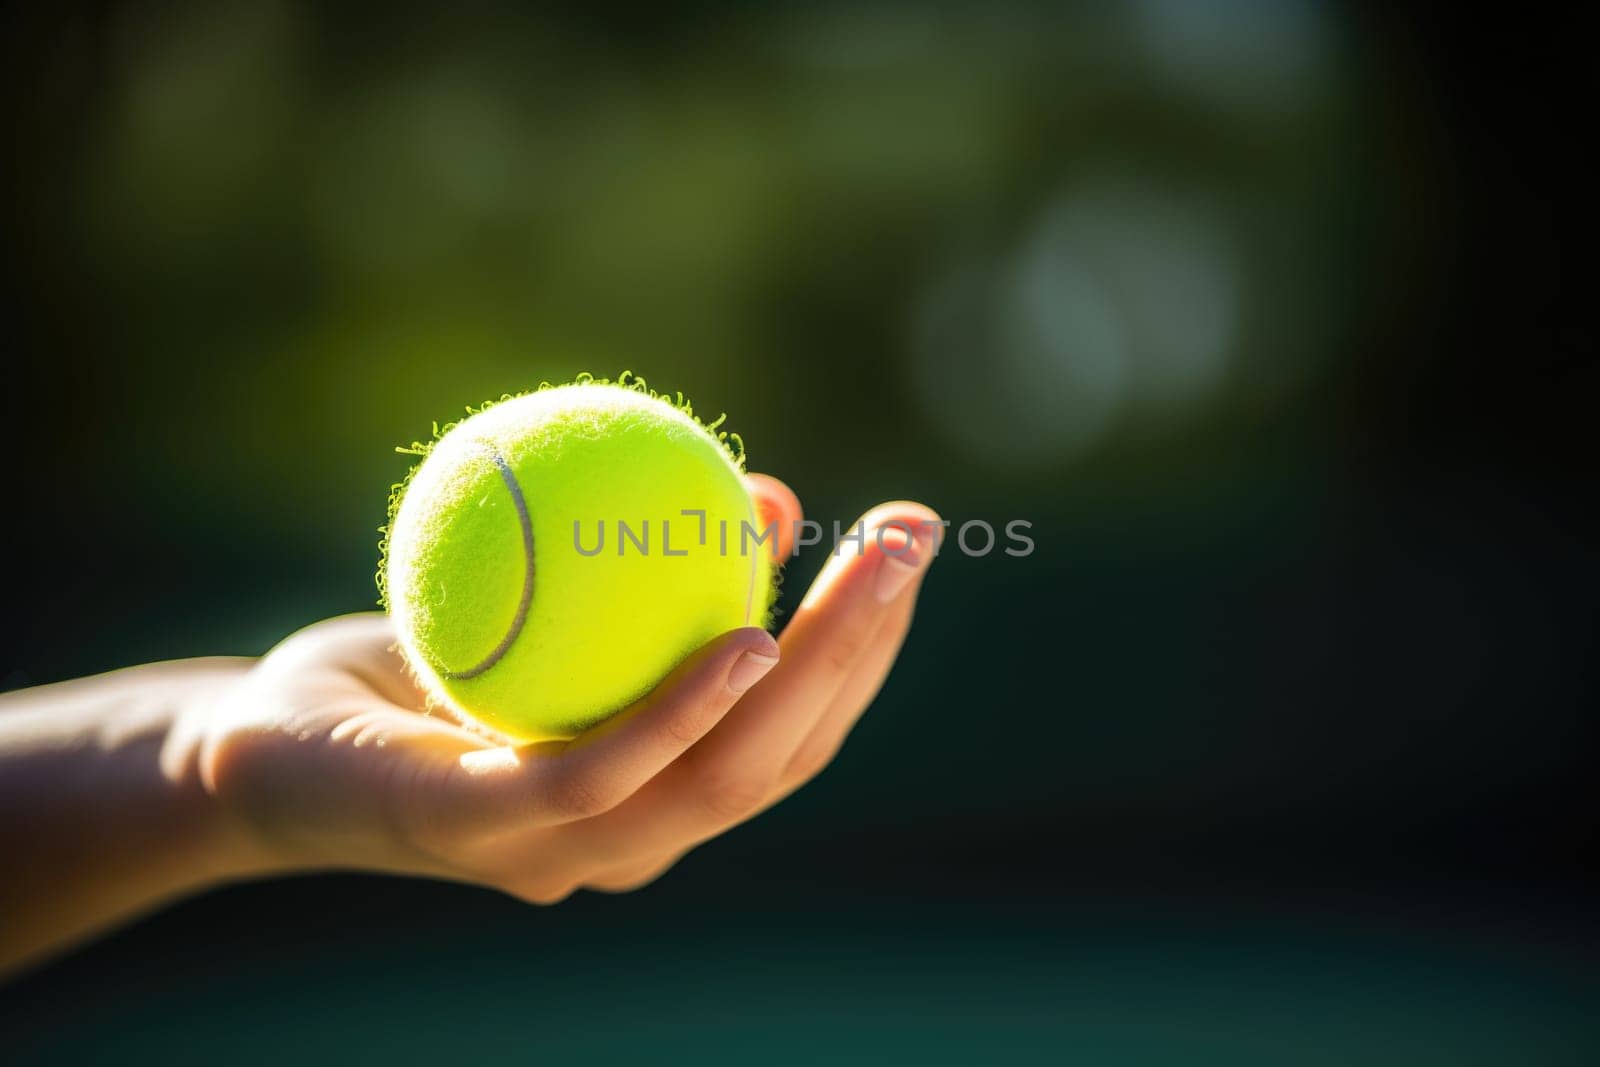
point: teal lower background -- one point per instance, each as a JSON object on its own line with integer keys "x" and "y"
{"x": 770, "y": 975}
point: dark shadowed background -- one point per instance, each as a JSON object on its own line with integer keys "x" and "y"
{"x": 1267, "y": 315}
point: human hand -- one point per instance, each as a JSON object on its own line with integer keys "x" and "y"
{"x": 323, "y": 754}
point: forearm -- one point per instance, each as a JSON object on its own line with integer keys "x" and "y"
{"x": 102, "y": 811}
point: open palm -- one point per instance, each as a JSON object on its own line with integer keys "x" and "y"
{"x": 325, "y": 755}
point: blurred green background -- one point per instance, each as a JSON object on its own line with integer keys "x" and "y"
{"x": 1266, "y": 315}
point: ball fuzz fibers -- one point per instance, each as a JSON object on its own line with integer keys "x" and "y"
{"x": 548, "y": 562}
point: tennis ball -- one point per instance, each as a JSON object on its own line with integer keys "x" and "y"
{"x": 556, "y": 554}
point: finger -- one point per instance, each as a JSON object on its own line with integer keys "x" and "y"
{"x": 831, "y": 633}
{"x": 777, "y": 505}
{"x": 627, "y": 878}
{"x": 554, "y": 782}
{"x": 736, "y": 770}
{"x": 822, "y": 744}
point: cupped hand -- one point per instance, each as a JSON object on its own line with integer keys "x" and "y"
{"x": 325, "y": 755}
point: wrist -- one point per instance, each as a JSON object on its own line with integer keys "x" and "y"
{"x": 220, "y": 843}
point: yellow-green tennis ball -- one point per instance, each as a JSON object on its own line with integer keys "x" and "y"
{"x": 504, "y": 607}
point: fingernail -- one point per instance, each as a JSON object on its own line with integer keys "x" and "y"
{"x": 895, "y": 573}
{"x": 749, "y": 669}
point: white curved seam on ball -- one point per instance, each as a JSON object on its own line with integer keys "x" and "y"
{"x": 510, "y": 478}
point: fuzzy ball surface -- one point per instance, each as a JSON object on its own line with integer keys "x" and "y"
{"x": 556, "y": 554}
